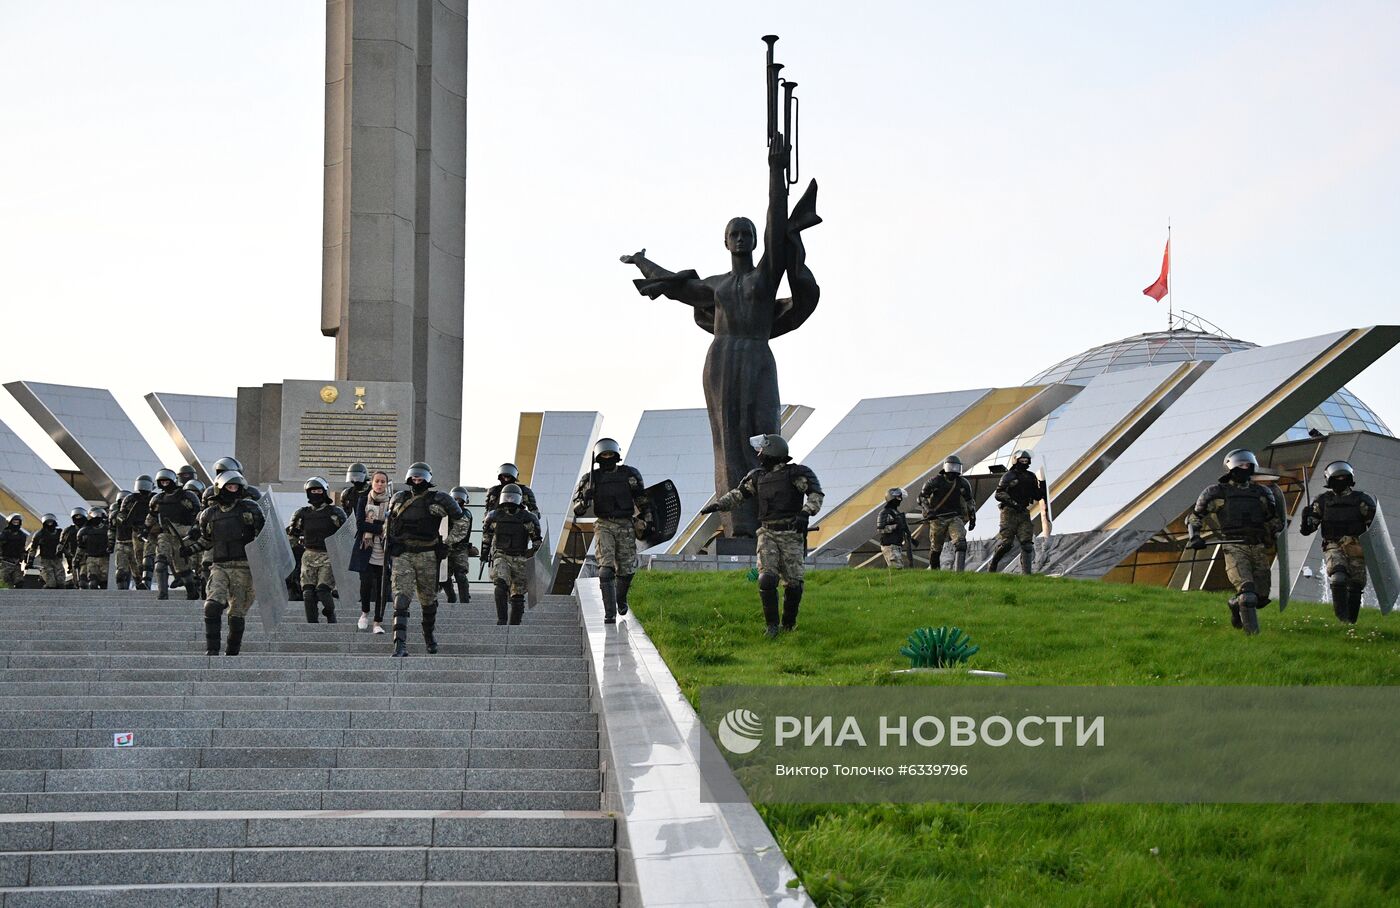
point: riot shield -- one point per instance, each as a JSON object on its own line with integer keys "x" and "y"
{"x": 339, "y": 546}
{"x": 665, "y": 514}
{"x": 1381, "y": 562}
{"x": 1285, "y": 576}
{"x": 541, "y": 574}
{"x": 270, "y": 560}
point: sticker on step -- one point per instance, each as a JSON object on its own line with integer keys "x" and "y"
{"x": 123, "y": 739}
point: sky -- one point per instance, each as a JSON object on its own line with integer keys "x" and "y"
{"x": 995, "y": 179}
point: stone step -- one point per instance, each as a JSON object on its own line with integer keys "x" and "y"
{"x": 365, "y": 649}
{"x": 358, "y": 677}
{"x": 323, "y": 895}
{"x": 29, "y": 781}
{"x": 292, "y": 864}
{"x": 147, "y": 757}
{"x": 383, "y": 796}
{"x": 286, "y": 661}
{"x": 197, "y": 687}
{"x": 127, "y": 719}
{"x": 149, "y": 737}
{"x": 248, "y": 829}
{"x": 232, "y": 702}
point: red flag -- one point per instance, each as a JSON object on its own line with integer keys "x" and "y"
{"x": 1159, "y": 287}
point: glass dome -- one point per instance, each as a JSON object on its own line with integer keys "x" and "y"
{"x": 1342, "y": 412}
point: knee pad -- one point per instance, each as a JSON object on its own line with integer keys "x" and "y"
{"x": 960, "y": 546}
{"x": 502, "y": 585}
{"x": 213, "y": 609}
{"x": 322, "y": 588}
{"x": 1028, "y": 546}
{"x": 607, "y": 573}
{"x": 1337, "y": 578}
{"x": 767, "y": 581}
{"x": 162, "y": 562}
{"x": 794, "y": 589}
{"x": 308, "y": 592}
{"x": 123, "y": 576}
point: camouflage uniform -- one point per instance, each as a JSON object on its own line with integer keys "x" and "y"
{"x": 783, "y": 553}
{"x": 414, "y": 572}
{"x": 316, "y": 569}
{"x": 512, "y": 570}
{"x": 10, "y": 572}
{"x": 1016, "y": 526}
{"x": 949, "y": 510}
{"x": 509, "y": 538}
{"x": 1241, "y": 510}
{"x": 168, "y": 545}
{"x": 45, "y": 553}
{"x": 232, "y": 584}
{"x": 892, "y": 528}
{"x": 415, "y": 518}
{"x": 1342, "y": 516}
{"x": 75, "y": 556}
{"x": 51, "y": 569}
{"x": 616, "y": 540}
{"x": 13, "y": 543}
{"x": 617, "y": 495}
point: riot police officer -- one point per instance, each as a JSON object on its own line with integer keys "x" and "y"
{"x": 134, "y": 512}
{"x": 357, "y": 475}
{"x": 186, "y": 474}
{"x": 950, "y": 511}
{"x": 310, "y": 527}
{"x": 509, "y": 537}
{"x": 1343, "y": 513}
{"x": 892, "y": 528}
{"x": 46, "y": 549}
{"x": 788, "y": 495}
{"x": 459, "y": 555}
{"x": 509, "y": 474}
{"x": 120, "y": 533}
{"x": 69, "y": 543}
{"x": 1247, "y": 516}
{"x": 1018, "y": 489}
{"x": 617, "y": 494}
{"x": 173, "y": 512}
{"x": 95, "y": 544}
{"x": 14, "y": 541}
{"x": 415, "y": 517}
{"x": 228, "y": 465}
{"x": 224, "y": 530}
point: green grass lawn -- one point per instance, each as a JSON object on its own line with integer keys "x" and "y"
{"x": 1044, "y": 631}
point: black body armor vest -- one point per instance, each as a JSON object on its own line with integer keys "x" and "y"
{"x": 778, "y": 498}
{"x": 317, "y": 524}
{"x": 512, "y": 532}
{"x": 12, "y": 543}
{"x": 612, "y": 493}
{"x": 1341, "y": 515}
{"x": 415, "y": 522}
{"x": 1245, "y": 512}
{"x": 229, "y": 533}
{"x": 48, "y": 541}
{"x": 92, "y": 539}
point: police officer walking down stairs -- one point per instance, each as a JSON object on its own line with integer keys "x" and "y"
{"x": 509, "y": 537}
{"x": 14, "y": 541}
{"x": 1246, "y": 516}
{"x": 618, "y": 497}
{"x": 509, "y": 474}
{"x": 459, "y": 555}
{"x": 224, "y": 530}
{"x": 415, "y": 517}
{"x": 950, "y": 511}
{"x": 1343, "y": 513}
{"x": 173, "y": 512}
{"x": 788, "y": 495}
{"x": 896, "y": 544}
{"x": 1018, "y": 489}
{"x": 311, "y": 525}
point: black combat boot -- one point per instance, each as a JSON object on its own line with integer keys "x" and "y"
{"x": 960, "y": 560}
{"x": 1354, "y": 605}
{"x": 624, "y": 582}
{"x": 502, "y": 603}
{"x": 451, "y": 594}
{"x": 191, "y": 586}
{"x": 464, "y": 586}
{"x": 401, "y": 606}
{"x": 309, "y": 601}
{"x": 327, "y": 597}
{"x": 935, "y": 559}
{"x": 1341, "y": 602}
{"x": 1249, "y": 611}
{"x": 162, "y": 582}
{"x": 430, "y": 622}
{"x": 792, "y": 598}
{"x": 517, "y": 609}
{"x": 235, "y": 635}
{"x": 1235, "y": 620}
{"x": 148, "y": 569}
{"x": 1028, "y": 561}
{"x": 607, "y": 585}
{"x": 213, "y": 619}
{"x": 123, "y": 580}
{"x": 769, "y": 598}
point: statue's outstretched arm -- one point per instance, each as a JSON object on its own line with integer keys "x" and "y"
{"x": 683, "y": 286}
{"x": 774, "y": 260}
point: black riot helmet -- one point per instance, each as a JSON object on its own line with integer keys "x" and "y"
{"x": 16, "y": 519}
{"x": 463, "y": 496}
{"x": 508, "y": 472}
{"x": 511, "y": 495}
{"x": 227, "y": 465}
{"x": 185, "y": 474}
{"x": 1339, "y": 475}
{"x": 894, "y": 496}
{"x": 122, "y": 495}
{"x": 953, "y": 465}
{"x": 97, "y": 512}
{"x": 166, "y": 479}
{"x": 607, "y": 450}
{"x": 144, "y": 483}
{"x": 195, "y": 486}
{"x": 771, "y": 449}
{"x": 421, "y": 472}
{"x": 316, "y": 489}
{"x": 1241, "y": 463}
{"x": 78, "y": 515}
{"x": 229, "y": 484}
{"x": 1021, "y": 458}
{"x": 49, "y": 520}
{"x": 357, "y": 473}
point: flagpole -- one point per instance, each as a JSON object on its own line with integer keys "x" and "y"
{"x": 1170, "y": 301}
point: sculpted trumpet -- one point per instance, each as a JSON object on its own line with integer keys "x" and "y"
{"x": 777, "y": 83}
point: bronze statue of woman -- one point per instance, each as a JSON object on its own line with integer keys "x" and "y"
{"x": 742, "y": 310}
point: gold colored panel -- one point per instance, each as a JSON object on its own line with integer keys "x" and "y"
{"x": 527, "y": 444}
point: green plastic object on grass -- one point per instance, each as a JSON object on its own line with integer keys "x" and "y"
{"x": 937, "y": 647}
{"x": 753, "y": 574}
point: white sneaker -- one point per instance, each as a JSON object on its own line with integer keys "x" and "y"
{"x": 378, "y": 629}
{"x": 364, "y": 621}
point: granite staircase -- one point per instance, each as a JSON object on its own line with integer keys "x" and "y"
{"x": 310, "y": 770}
